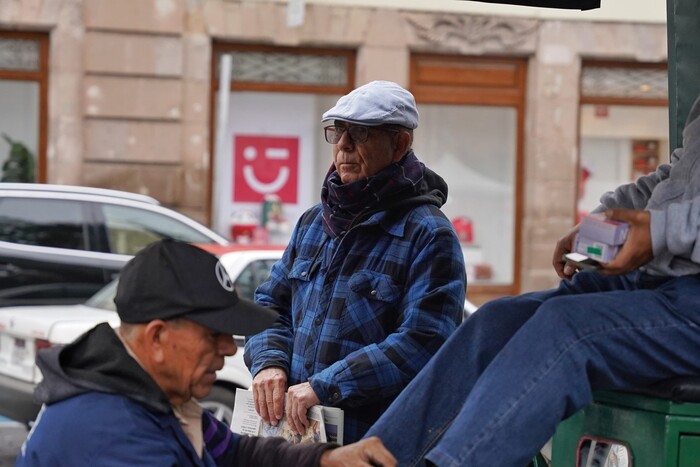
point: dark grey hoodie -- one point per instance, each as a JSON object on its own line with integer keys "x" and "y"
{"x": 672, "y": 196}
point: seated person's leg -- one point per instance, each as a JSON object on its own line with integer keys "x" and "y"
{"x": 427, "y": 406}
{"x": 571, "y": 346}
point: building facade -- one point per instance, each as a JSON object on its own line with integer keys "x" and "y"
{"x": 127, "y": 95}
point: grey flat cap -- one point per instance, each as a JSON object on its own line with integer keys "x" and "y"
{"x": 376, "y": 103}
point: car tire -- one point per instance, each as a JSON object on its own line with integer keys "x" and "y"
{"x": 220, "y": 403}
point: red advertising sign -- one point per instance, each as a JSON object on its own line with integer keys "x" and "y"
{"x": 265, "y": 165}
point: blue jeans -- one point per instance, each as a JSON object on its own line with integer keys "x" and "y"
{"x": 496, "y": 390}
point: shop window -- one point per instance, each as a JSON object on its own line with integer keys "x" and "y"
{"x": 623, "y": 127}
{"x": 272, "y": 151}
{"x": 471, "y": 134}
{"x": 23, "y": 87}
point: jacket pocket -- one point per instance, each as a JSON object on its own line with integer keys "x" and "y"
{"x": 300, "y": 279}
{"x": 371, "y": 307}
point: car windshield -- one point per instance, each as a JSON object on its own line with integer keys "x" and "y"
{"x": 104, "y": 298}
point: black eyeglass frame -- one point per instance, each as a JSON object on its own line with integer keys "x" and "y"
{"x": 333, "y": 133}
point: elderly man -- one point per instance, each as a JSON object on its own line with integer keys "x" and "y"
{"x": 126, "y": 397}
{"x": 373, "y": 279}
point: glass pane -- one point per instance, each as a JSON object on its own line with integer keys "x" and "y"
{"x": 277, "y": 67}
{"x": 252, "y": 276}
{"x": 130, "y": 229}
{"x": 618, "y": 144}
{"x": 474, "y": 149}
{"x": 19, "y": 126}
{"x": 105, "y": 297}
{"x": 624, "y": 82}
{"x": 43, "y": 222}
{"x": 19, "y": 54}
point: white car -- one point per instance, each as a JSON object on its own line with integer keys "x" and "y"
{"x": 25, "y": 330}
{"x": 28, "y": 329}
{"x": 60, "y": 244}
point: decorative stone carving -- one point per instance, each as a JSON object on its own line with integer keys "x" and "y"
{"x": 465, "y": 33}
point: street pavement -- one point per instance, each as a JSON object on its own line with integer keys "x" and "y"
{"x": 12, "y": 435}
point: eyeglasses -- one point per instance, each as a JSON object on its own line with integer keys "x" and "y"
{"x": 358, "y": 133}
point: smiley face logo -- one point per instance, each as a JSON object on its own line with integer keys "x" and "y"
{"x": 265, "y": 165}
{"x": 250, "y": 153}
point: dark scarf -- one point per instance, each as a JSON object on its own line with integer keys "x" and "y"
{"x": 345, "y": 205}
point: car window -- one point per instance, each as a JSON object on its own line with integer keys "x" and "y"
{"x": 43, "y": 222}
{"x": 130, "y": 229}
{"x": 105, "y": 297}
{"x": 252, "y": 276}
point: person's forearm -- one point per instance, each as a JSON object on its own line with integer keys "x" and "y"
{"x": 273, "y": 452}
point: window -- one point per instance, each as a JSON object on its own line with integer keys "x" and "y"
{"x": 129, "y": 229}
{"x": 104, "y": 299}
{"x": 623, "y": 127}
{"x": 43, "y": 222}
{"x": 272, "y": 145}
{"x": 470, "y": 133}
{"x": 23, "y": 93}
{"x": 252, "y": 276}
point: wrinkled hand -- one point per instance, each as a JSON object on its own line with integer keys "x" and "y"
{"x": 564, "y": 245}
{"x": 300, "y": 398}
{"x": 364, "y": 453}
{"x": 637, "y": 249}
{"x": 269, "y": 386}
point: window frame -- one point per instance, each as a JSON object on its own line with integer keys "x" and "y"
{"x": 487, "y": 81}
{"x": 40, "y": 76}
{"x": 622, "y": 101}
{"x": 224, "y": 47}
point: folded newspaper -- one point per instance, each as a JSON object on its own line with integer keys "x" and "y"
{"x": 325, "y": 423}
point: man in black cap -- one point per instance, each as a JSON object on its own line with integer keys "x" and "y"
{"x": 127, "y": 397}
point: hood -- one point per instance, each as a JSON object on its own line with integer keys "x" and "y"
{"x": 96, "y": 361}
{"x": 432, "y": 189}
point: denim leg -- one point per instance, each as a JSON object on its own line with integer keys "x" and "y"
{"x": 572, "y": 345}
{"x": 427, "y": 406}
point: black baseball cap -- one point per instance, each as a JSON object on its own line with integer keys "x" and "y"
{"x": 172, "y": 279}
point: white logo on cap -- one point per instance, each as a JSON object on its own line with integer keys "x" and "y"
{"x": 223, "y": 277}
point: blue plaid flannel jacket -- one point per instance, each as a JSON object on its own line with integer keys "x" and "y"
{"x": 363, "y": 313}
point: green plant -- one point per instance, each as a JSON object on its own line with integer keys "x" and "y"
{"x": 19, "y": 166}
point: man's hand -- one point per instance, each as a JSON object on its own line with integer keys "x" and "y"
{"x": 564, "y": 245}
{"x": 637, "y": 249}
{"x": 364, "y": 453}
{"x": 269, "y": 386}
{"x": 300, "y": 398}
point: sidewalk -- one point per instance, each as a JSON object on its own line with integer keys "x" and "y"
{"x": 12, "y": 435}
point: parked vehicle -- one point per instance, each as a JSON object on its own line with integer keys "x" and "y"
{"x": 61, "y": 244}
{"x": 26, "y": 330}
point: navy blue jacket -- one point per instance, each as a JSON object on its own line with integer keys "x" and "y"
{"x": 102, "y": 408}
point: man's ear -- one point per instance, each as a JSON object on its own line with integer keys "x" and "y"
{"x": 155, "y": 337}
{"x": 402, "y": 143}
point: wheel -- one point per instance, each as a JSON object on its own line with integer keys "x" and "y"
{"x": 220, "y": 403}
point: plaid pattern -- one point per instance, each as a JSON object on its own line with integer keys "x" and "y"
{"x": 363, "y": 313}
